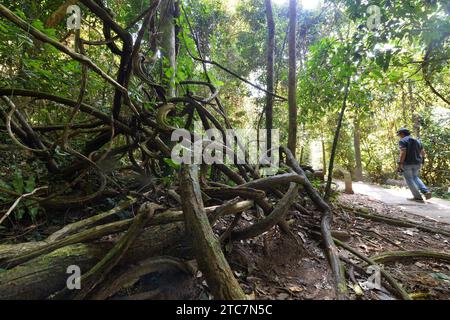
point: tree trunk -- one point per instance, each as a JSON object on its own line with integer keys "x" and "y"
{"x": 270, "y": 70}
{"x": 324, "y": 155}
{"x": 168, "y": 45}
{"x": 208, "y": 252}
{"x": 415, "y": 117}
{"x": 357, "y": 146}
{"x": 335, "y": 141}
{"x": 292, "y": 135}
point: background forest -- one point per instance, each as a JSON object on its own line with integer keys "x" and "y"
{"x": 398, "y": 72}
{"x": 137, "y": 69}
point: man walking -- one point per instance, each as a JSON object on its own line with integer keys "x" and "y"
{"x": 412, "y": 157}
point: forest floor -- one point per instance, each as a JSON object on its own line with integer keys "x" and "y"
{"x": 277, "y": 266}
{"x": 282, "y": 271}
{"x": 286, "y": 273}
{"x": 274, "y": 266}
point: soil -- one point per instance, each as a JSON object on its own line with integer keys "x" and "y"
{"x": 277, "y": 266}
{"x": 273, "y": 266}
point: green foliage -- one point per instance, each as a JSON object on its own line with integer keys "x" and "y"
{"x": 172, "y": 164}
{"x": 436, "y": 135}
{"x": 21, "y": 185}
{"x": 385, "y": 66}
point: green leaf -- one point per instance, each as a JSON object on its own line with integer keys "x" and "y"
{"x": 33, "y": 212}
{"x": 4, "y": 185}
{"x": 172, "y": 164}
{"x": 18, "y": 182}
{"x": 20, "y": 213}
{"x": 30, "y": 184}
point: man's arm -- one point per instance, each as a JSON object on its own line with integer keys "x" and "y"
{"x": 423, "y": 153}
{"x": 402, "y": 159}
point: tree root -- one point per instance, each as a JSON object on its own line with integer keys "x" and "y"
{"x": 399, "y": 291}
{"x": 391, "y": 256}
{"x": 397, "y": 222}
{"x": 86, "y": 223}
{"x": 332, "y": 252}
{"x": 44, "y": 275}
{"x": 13, "y": 255}
{"x": 271, "y": 220}
{"x": 207, "y": 248}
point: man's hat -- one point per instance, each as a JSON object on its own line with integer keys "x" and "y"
{"x": 403, "y": 130}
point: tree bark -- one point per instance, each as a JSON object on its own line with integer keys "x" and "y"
{"x": 272, "y": 219}
{"x": 96, "y": 275}
{"x": 292, "y": 135}
{"x": 324, "y": 156}
{"x": 168, "y": 47}
{"x": 335, "y": 141}
{"x": 415, "y": 117}
{"x": 208, "y": 252}
{"x": 357, "y": 146}
{"x": 270, "y": 71}
{"x": 21, "y": 281}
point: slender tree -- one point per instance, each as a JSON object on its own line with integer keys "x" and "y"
{"x": 292, "y": 135}
{"x": 168, "y": 45}
{"x": 270, "y": 71}
{"x": 357, "y": 147}
{"x": 336, "y": 140}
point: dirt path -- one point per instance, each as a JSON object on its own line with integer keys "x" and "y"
{"x": 435, "y": 209}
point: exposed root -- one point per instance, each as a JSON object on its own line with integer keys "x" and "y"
{"x": 391, "y": 256}
{"x": 396, "y": 222}
{"x": 207, "y": 248}
{"x": 399, "y": 291}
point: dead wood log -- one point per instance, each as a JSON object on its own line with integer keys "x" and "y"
{"x": 130, "y": 274}
{"x": 207, "y": 248}
{"x": 86, "y": 223}
{"x": 46, "y": 274}
{"x": 97, "y": 273}
{"x": 12, "y": 255}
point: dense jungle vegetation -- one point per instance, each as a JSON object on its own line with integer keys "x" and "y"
{"x": 87, "y": 173}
